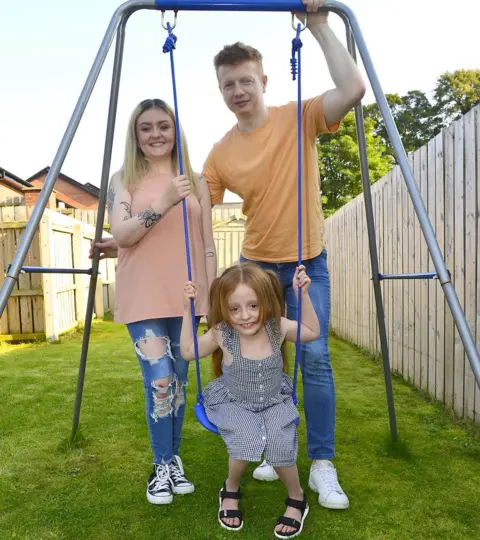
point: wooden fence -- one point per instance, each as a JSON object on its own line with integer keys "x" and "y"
{"x": 423, "y": 343}
{"x": 46, "y": 305}
{"x": 226, "y": 212}
{"x": 424, "y": 346}
{"x": 228, "y": 229}
{"x": 86, "y": 216}
{"x": 228, "y": 233}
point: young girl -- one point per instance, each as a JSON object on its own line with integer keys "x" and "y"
{"x": 250, "y": 402}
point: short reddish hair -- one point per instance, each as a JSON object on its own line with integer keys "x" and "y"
{"x": 232, "y": 55}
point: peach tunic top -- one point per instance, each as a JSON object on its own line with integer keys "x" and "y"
{"x": 152, "y": 273}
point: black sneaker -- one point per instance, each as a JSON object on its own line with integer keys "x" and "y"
{"x": 159, "y": 490}
{"x": 180, "y": 483}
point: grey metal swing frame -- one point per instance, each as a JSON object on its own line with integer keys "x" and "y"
{"x": 355, "y": 40}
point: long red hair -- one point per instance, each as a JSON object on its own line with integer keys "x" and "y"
{"x": 268, "y": 290}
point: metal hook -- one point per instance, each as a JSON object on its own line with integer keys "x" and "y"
{"x": 304, "y": 22}
{"x": 174, "y": 20}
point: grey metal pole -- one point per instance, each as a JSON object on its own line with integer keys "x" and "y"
{"x": 426, "y": 275}
{"x": 362, "y": 147}
{"x": 107, "y": 158}
{"x": 37, "y": 212}
{"x": 428, "y": 232}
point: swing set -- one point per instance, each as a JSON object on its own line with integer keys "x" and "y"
{"x": 354, "y": 39}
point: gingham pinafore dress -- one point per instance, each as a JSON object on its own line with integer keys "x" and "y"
{"x": 251, "y": 403}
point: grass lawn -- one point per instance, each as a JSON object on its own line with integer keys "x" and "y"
{"x": 426, "y": 486}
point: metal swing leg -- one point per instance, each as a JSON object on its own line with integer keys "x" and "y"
{"x": 434, "y": 250}
{"x": 362, "y": 147}
{"x": 57, "y": 163}
{"x": 107, "y": 158}
{"x": 119, "y": 19}
{"x": 427, "y": 229}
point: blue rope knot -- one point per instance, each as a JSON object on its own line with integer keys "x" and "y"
{"x": 296, "y": 46}
{"x": 293, "y": 67}
{"x": 170, "y": 43}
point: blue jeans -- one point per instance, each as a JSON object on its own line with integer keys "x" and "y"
{"x": 318, "y": 387}
{"x": 165, "y": 375}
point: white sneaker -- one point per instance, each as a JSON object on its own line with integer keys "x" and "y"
{"x": 159, "y": 490}
{"x": 265, "y": 472}
{"x": 181, "y": 485}
{"x": 323, "y": 480}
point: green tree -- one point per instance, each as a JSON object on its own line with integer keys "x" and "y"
{"x": 456, "y": 93}
{"x": 417, "y": 120}
{"x": 339, "y": 163}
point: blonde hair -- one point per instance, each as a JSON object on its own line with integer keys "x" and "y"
{"x": 268, "y": 291}
{"x": 135, "y": 166}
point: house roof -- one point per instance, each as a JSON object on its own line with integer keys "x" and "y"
{"x": 89, "y": 188}
{"x": 94, "y": 190}
{"x": 66, "y": 199}
{"x": 8, "y": 175}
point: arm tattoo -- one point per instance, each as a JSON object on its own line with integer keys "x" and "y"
{"x": 128, "y": 210}
{"x": 110, "y": 198}
{"x": 209, "y": 254}
{"x": 149, "y": 217}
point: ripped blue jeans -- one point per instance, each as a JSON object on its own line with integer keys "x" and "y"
{"x": 165, "y": 376}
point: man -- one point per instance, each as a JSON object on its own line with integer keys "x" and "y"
{"x": 257, "y": 160}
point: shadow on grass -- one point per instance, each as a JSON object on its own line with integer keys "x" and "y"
{"x": 78, "y": 441}
{"x": 396, "y": 449}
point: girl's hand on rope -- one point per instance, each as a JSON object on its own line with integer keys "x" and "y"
{"x": 313, "y": 18}
{"x": 300, "y": 279}
{"x": 189, "y": 293}
{"x": 177, "y": 189}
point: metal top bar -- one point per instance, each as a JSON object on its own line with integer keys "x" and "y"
{"x": 231, "y": 5}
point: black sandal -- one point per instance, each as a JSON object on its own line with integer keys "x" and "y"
{"x": 227, "y": 514}
{"x": 290, "y": 522}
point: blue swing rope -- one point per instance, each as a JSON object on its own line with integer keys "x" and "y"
{"x": 294, "y": 61}
{"x": 168, "y": 47}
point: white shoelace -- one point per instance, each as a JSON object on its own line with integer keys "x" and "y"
{"x": 329, "y": 477}
{"x": 176, "y": 474}
{"x": 160, "y": 481}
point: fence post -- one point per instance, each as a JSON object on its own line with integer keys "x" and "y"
{"x": 99, "y": 309}
{"x": 48, "y": 280}
{"x": 78, "y": 262}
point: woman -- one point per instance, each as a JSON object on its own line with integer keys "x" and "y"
{"x": 146, "y": 222}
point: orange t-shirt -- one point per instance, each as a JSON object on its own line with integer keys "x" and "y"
{"x": 261, "y": 167}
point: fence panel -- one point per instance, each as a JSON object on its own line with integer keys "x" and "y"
{"x": 423, "y": 343}
{"x": 23, "y": 315}
{"x": 49, "y": 304}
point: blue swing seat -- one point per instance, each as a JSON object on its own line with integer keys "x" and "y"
{"x": 205, "y": 422}
{"x": 203, "y": 419}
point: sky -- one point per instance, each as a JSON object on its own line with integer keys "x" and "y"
{"x": 47, "y": 49}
